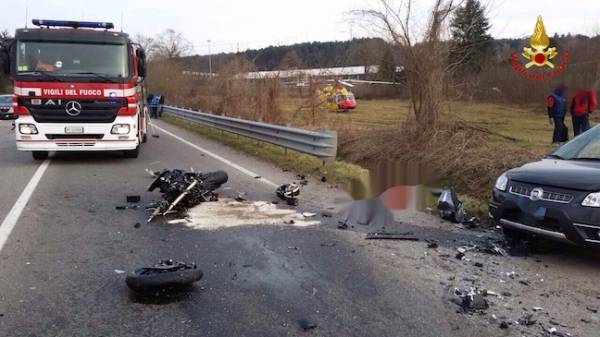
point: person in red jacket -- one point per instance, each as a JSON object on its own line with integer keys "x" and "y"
{"x": 583, "y": 104}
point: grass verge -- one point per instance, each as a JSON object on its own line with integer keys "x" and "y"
{"x": 338, "y": 172}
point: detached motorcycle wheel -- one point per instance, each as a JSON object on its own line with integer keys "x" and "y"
{"x": 163, "y": 276}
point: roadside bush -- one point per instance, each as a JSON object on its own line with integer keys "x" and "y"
{"x": 454, "y": 151}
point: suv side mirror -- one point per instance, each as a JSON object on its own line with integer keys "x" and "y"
{"x": 141, "y": 62}
{"x": 5, "y": 50}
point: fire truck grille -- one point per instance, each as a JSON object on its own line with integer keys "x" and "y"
{"x": 92, "y": 111}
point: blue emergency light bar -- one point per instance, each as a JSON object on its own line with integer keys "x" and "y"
{"x": 73, "y": 24}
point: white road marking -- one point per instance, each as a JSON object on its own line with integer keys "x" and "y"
{"x": 217, "y": 157}
{"x": 13, "y": 216}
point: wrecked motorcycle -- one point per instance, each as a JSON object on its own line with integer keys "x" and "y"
{"x": 182, "y": 190}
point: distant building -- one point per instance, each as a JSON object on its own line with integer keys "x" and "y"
{"x": 355, "y": 72}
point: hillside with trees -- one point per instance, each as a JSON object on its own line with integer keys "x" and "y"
{"x": 310, "y": 54}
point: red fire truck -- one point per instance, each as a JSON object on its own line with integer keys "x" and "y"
{"x": 78, "y": 86}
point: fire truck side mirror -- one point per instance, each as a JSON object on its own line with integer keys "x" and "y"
{"x": 5, "y": 51}
{"x": 141, "y": 64}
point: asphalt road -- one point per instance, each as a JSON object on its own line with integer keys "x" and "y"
{"x": 58, "y": 267}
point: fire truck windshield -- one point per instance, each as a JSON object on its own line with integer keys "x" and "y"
{"x": 63, "y": 59}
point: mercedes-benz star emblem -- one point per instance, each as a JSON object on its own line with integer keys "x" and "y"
{"x": 73, "y": 108}
{"x": 536, "y": 194}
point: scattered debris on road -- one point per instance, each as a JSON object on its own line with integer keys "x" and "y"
{"x": 527, "y": 320}
{"x": 289, "y": 193}
{"x": 391, "y": 236}
{"x": 122, "y": 207}
{"x": 182, "y": 190}
{"x": 470, "y": 300}
{"x": 306, "y": 325}
{"x": 166, "y": 274}
{"x": 133, "y": 198}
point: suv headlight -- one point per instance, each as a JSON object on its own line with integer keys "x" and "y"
{"x": 28, "y": 129}
{"x": 592, "y": 200}
{"x": 120, "y": 129}
{"x": 501, "y": 182}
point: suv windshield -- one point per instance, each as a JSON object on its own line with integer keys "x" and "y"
{"x": 52, "y": 59}
{"x": 583, "y": 147}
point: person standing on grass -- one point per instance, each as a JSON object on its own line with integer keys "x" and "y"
{"x": 583, "y": 104}
{"x": 557, "y": 109}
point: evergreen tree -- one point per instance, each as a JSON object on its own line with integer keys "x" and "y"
{"x": 470, "y": 33}
{"x": 387, "y": 65}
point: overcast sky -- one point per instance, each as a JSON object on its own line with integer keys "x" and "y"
{"x": 246, "y": 24}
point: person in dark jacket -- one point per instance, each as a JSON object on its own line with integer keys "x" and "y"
{"x": 154, "y": 105}
{"x": 556, "y": 104}
{"x": 161, "y": 102}
{"x": 583, "y": 104}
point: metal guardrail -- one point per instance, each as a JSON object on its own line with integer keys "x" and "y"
{"x": 321, "y": 144}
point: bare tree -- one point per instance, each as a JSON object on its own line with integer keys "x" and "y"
{"x": 424, "y": 55}
{"x": 148, "y": 43}
{"x": 171, "y": 44}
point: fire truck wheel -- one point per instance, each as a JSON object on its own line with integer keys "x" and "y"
{"x": 132, "y": 153}
{"x": 40, "y": 155}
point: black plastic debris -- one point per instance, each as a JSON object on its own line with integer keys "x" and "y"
{"x": 182, "y": 190}
{"x": 289, "y": 193}
{"x": 391, "y": 236}
{"x": 133, "y": 198}
{"x": 167, "y": 274}
{"x": 527, "y": 320}
{"x": 324, "y": 179}
{"x": 450, "y": 207}
{"x": 137, "y": 225}
{"x": 504, "y": 325}
{"x": 306, "y": 325}
{"x": 492, "y": 248}
{"x": 432, "y": 244}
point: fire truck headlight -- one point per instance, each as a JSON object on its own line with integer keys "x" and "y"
{"x": 28, "y": 129}
{"x": 120, "y": 129}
